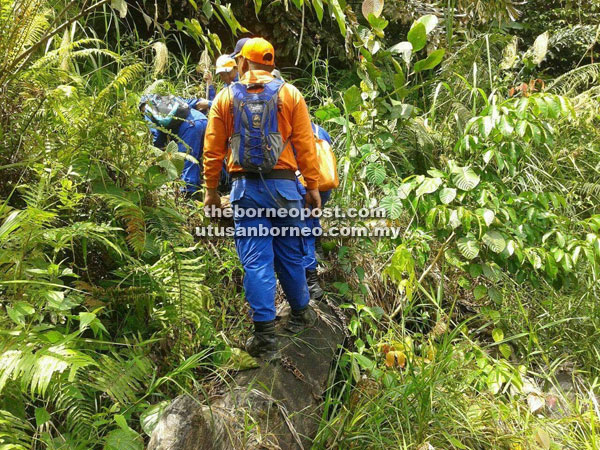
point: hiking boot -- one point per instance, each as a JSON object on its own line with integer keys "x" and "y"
{"x": 301, "y": 320}
{"x": 314, "y": 288}
{"x": 263, "y": 344}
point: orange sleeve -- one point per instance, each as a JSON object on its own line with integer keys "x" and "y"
{"x": 215, "y": 139}
{"x": 303, "y": 140}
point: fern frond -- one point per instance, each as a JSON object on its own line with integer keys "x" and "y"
{"x": 15, "y": 433}
{"x": 124, "y": 77}
{"x": 134, "y": 219}
{"x": 35, "y": 369}
{"x": 575, "y": 80}
{"x": 75, "y": 51}
{"x": 122, "y": 380}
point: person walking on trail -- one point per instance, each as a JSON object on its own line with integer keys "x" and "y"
{"x": 226, "y": 68}
{"x": 264, "y": 125}
{"x": 170, "y": 116}
{"x": 327, "y": 182}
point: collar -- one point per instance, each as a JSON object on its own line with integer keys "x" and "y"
{"x": 256, "y": 76}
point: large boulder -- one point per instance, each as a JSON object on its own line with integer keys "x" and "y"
{"x": 275, "y": 406}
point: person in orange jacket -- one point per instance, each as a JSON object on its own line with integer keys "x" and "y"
{"x": 263, "y": 127}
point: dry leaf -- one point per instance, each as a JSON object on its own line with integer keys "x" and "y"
{"x": 374, "y": 7}
{"x": 395, "y": 359}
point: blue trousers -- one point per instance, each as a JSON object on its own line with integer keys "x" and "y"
{"x": 263, "y": 256}
{"x": 310, "y": 259}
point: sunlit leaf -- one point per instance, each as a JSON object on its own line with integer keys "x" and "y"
{"x": 465, "y": 178}
{"x": 428, "y": 186}
{"x": 434, "y": 58}
{"x": 495, "y": 241}
{"x": 374, "y": 7}
{"x": 417, "y": 36}
{"x": 447, "y": 195}
{"x": 468, "y": 247}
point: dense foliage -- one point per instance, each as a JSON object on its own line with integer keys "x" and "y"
{"x": 473, "y": 123}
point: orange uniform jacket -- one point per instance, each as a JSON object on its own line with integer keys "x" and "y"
{"x": 294, "y": 124}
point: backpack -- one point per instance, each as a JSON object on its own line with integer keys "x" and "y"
{"x": 328, "y": 176}
{"x": 166, "y": 111}
{"x": 256, "y": 143}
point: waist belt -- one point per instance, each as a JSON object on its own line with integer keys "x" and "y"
{"x": 275, "y": 174}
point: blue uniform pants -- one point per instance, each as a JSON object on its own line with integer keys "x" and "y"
{"x": 263, "y": 256}
{"x": 310, "y": 259}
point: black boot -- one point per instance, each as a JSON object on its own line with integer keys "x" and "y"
{"x": 302, "y": 319}
{"x": 314, "y": 288}
{"x": 264, "y": 342}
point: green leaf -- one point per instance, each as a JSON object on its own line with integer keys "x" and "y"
{"x": 495, "y": 241}
{"x": 506, "y": 350}
{"x": 241, "y": 360}
{"x": 258, "y": 6}
{"x": 378, "y": 24}
{"x": 505, "y": 127}
{"x": 495, "y": 295}
{"x": 392, "y": 205}
{"x": 468, "y": 247}
{"x": 429, "y": 21}
{"x": 447, "y": 195}
{"x": 475, "y": 270}
{"x": 479, "y": 292}
{"x": 352, "y": 99}
{"x": 119, "y": 439}
{"x": 85, "y": 318}
{"x": 339, "y": 15}
{"x": 434, "y": 58}
{"x": 428, "y": 186}
{"x": 417, "y": 36}
{"x": 465, "y": 178}
{"x": 376, "y": 173}
{"x": 318, "y": 5}
{"x": 41, "y": 416}
{"x": 497, "y": 335}
{"x": 404, "y": 48}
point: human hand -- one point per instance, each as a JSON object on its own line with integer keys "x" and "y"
{"x": 313, "y": 198}
{"x": 211, "y": 200}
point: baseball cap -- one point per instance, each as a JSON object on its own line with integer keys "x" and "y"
{"x": 225, "y": 63}
{"x": 238, "y": 47}
{"x": 260, "y": 51}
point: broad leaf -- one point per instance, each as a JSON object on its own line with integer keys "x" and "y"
{"x": 468, "y": 247}
{"x": 428, "y": 186}
{"x": 417, "y": 36}
{"x": 465, "y": 178}
{"x": 497, "y": 335}
{"x": 447, "y": 195}
{"x": 120, "y": 6}
{"x": 318, "y": 6}
{"x": 540, "y": 48}
{"x": 352, "y": 98}
{"x": 374, "y": 7}
{"x": 404, "y": 48}
{"x": 479, "y": 292}
{"x": 495, "y": 241}
{"x": 429, "y": 21}
{"x": 339, "y": 15}
{"x": 431, "y": 61}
